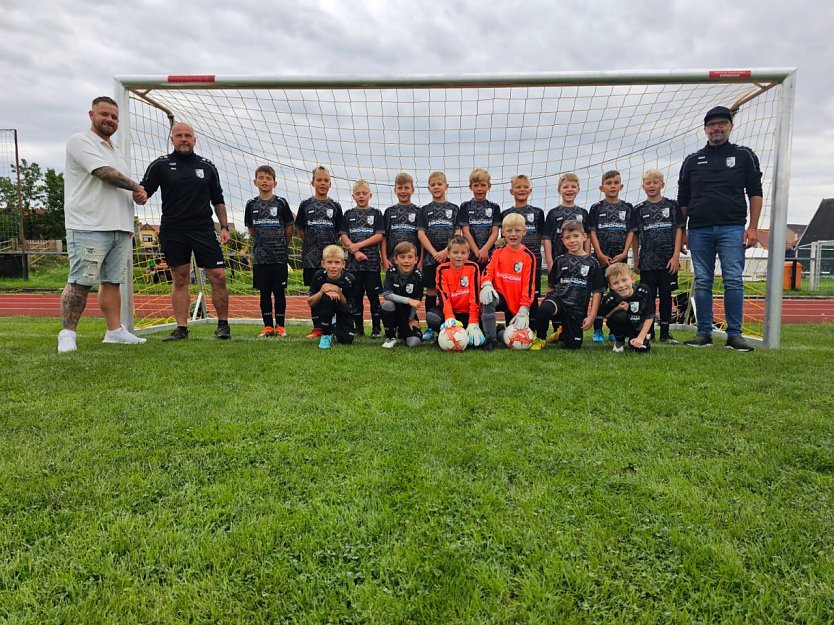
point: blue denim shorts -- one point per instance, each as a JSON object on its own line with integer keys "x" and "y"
{"x": 98, "y": 256}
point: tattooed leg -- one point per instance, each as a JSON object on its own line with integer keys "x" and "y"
{"x": 73, "y": 302}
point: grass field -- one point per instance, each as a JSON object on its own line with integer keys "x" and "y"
{"x": 269, "y": 482}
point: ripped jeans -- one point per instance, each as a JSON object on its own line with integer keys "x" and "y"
{"x": 98, "y": 256}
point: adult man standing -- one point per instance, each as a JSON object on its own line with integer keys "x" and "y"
{"x": 190, "y": 187}
{"x": 98, "y": 214}
{"x": 711, "y": 193}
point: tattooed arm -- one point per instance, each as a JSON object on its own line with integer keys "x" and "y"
{"x": 113, "y": 176}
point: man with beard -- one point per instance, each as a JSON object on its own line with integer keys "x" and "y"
{"x": 98, "y": 214}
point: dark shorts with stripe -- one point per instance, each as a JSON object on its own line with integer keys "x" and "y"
{"x": 178, "y": 245}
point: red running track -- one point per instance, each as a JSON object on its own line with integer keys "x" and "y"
{"x": 243, "y": 306}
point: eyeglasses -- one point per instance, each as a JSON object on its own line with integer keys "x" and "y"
{"x": 718, "y": 124}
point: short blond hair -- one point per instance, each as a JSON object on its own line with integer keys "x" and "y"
{"x": 437, "y": 174}
{"x": 320, "y": 169}
{"x": 479, "y": 175}
{"x": 404, "y": 178}
{"x": 653, "y": 174}
{"x": 333, "y": 252}
{"x": 518, "y": 177}
{"x": 568, "y": 177}
{"x": 513, "y": 220}
{"x": 616, "y": 270}
{"x": 361, "y": 183}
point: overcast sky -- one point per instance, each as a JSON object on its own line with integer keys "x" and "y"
{"x": 56, "y": 55}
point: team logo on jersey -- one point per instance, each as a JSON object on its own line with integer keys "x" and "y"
{"x": 635, "y": 306}
{"x": 584, "y": 270}
{"x": 200, "y": 173}
{"x": 329, "y": 212}
{"x": 731, "y": 161}
{"x": 622, "y": 215}
{"x": 665, "y": 213}
{"x": 517, "y": 266}
{"x": 529, "y": 218}
{"x": 464, "y": 280}
{"x": 411, "y": 218}
{"x": 409, "y": 288}
{"x": 448, "y": 214}
{"x": 578, "y": 217}
{"x": 370, "y": 221}
{"x": 273, "y": 211}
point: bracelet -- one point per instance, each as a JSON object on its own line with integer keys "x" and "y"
{"x": 224, "y": 227}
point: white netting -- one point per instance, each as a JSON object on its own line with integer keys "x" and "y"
{"x": 374, "y": 133}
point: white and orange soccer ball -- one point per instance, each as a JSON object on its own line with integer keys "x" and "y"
{"x": 518, "y": 339}
{"x": 453, "y": 339}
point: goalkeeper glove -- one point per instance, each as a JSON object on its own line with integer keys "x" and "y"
{"x": 488, "y": 294}
{"x": 476, "y": 337}
{"x": 450, "y": 322}
{"x": 522, "y": 320}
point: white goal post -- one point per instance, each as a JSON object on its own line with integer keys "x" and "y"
{"x": 542, "y": 125}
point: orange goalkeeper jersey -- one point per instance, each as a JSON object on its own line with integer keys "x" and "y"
{"x": 459, "y": 290}
{"x": 513, "y": 274}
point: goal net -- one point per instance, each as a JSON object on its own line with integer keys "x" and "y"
{"x": 374, "y": 128}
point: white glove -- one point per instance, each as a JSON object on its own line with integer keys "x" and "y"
{"x": 488, "y": 294}
{"x": 451, "y": 321}
{"x": 476, "y": 337}
{"x": 522, "y": 320}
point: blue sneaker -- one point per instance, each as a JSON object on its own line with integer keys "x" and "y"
{"x": 598, "y": 336}
{"x": 325, "y": 341}
{"x": 429, "y": 335}
{"x": 612, "y": 338}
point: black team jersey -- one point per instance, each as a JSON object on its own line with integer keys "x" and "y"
{"x": 574, "y": 279}
{"x": 481, "y": 218}
{"x": 190, "y": 187}
{"x": 401, "y": 225}
{"x": 320, "y": 221}
{"x": 439, "y": 221}
{"x": 402, "y": 286}
{"x": 345, "y": 281}
{"x": 360, "y": 224}
{"x": 268, "y": 218}
{"x": 657, "y": 225}
{"x": 640, "y": 305}
{"x": 534, "y": 221}
{"x": 611, "y": 221}
{"x": 553, "y": 225}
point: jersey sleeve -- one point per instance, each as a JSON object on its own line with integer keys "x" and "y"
{"x": 593, "y": 218}
{"x": 549, "y": 229}
{"x": 422, "y": 221}
{"x": 753, "y": 176}
{"x": 379, "y": 222}
{"x": 286, "y": 213}
{"x": 646, "y": 307}
{"x": 631, "y": 214}
{"x": 463, "y": 215}
{"x": 444, "y": 291}
{"x": 528, "y": 280}
{"x": 152, "y": 178}
{"x": 337, "y": 216}
{"x": 247, "y": 215}
{"x": 343, "y": 225}
{"x": 474, "y": 291}
{"x": 497, "y": 215}
{"x": 489, "y": 276}
{"x": 215, "y": 190}
{"x": 317, "y": 282}
{"x": 609, "y": 301}
{"x": 301, "y": 217}
{"x": 598, "y": 283}
{"x": 684, "y": 184}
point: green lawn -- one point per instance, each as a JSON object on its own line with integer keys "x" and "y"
{"x": 269, "y": 482}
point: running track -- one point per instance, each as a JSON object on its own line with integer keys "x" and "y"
{"x": 243, "y": 306}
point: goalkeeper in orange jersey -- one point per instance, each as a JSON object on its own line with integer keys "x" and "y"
{"x": 509, "y": 284}
{"x": 458, "y": 285}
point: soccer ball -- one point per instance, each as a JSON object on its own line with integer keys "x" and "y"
{"x": 454, "y": 339}
{"x": 518, "y": 339}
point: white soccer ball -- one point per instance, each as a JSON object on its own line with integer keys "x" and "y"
{"x": 518, "y": 339}
{"x": 454, "y": 339}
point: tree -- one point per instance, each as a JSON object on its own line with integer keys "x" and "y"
{"x": 42, "y": 198}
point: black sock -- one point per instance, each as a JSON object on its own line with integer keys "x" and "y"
{"x": 431, "y": 302}
{"x": 267, "y": 317}
{"x": 222, "y": 322}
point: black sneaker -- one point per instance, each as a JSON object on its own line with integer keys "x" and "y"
{"x": 376, "y": 333}
{"x": 668, "y": 339}
{"x": 700, "y": 340}
{"x": 738, "y": 343}
{"x": 178, "y": 334}
{"x": 489, "y": 346}
{"x": 224, "y": 332}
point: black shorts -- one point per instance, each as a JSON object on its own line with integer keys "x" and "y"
{"x": 308, "y": 275}
{"x": 429, "y": 276}
{"x": 269, "y": 277}
{"x": 571, "y": 322}
{"x": 177, "y": 246}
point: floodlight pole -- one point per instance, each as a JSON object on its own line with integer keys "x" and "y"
{"x": 771, "y": 336}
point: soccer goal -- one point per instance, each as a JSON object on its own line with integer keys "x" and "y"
{"x": 541, "y": 125}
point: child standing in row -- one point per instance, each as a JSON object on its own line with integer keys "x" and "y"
{"x": 317, "y": 222}
{"x": 480, "y": 219}
{"x": 361, "y": 232}
{"x": 270, "y": 224}
{"x": 400, "y": 220}
{"x": 437, "y": 222}
{"x": 521, "y": 189}
{"x": 611, "y": 235}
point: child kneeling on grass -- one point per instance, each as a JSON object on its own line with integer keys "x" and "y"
{"x": 402, "y": 292}
{"x": 332, "y": 296}
{"x": 627, "y": 309}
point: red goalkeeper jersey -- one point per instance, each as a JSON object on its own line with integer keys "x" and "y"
{"x": 513, "y": 274}
{"x": 459, "y": 290}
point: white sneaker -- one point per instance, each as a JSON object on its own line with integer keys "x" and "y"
{"x": 389, "y": 343}
{"x": 66, "y": 341}
{"x": 122, "y": 336}
{"x": 619, "y": 347}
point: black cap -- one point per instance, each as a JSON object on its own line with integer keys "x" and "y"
{"x": 721, "y": 112}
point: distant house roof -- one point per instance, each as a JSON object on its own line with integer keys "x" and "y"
{"x": 821, "y": 227}
{"x": 153, "y": 227}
